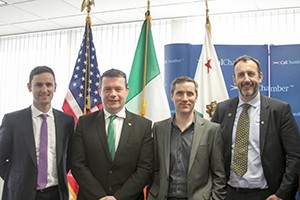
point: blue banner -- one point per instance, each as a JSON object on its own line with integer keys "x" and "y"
{"x": 284, "y": 76}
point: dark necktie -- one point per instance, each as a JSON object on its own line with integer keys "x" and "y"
{"x": 43, "y": 157}
{"x": 240, "y": 154}
{"x": 111, "y": 136}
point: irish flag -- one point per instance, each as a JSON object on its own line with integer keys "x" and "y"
{"x": 209, "y": 76}
{"x": 147, "y": 95}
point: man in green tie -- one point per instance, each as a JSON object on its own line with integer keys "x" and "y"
{"x": 112, "y": 149}
{"x": 261, "y": 138}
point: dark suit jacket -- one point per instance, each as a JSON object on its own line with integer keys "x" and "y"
{"x": 279, "y": 143}
{"x": 206, "y": 174}
{"x": 92, "y": 167}
{"x": 18, "y": 162}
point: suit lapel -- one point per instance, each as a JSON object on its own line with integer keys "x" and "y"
{"x": 100, "y": 127}
{"x": 264, "y": 116}
{"x": 58, "y": 122}
{"x": 26, "y": 127}
{"x": 126, "y": 130}
{"x": 230, "y": 117}
{"x": 167, "y": 130}
{"x": 229, "y": 123}
{"x": 198, "y": 134}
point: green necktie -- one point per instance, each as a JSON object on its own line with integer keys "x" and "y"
{"x": 240, "y": 154}
{"x": 111, "y": 136}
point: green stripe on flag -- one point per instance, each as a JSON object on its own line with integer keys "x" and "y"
{"x": 135, "y": 81}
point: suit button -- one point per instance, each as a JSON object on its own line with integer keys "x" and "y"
{"x": 110, "y": 189}
{"x": 110, "y": 171}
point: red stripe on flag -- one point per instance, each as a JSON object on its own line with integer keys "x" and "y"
{"x": 72, "y": 182}
{"x": 100, "y": 106}
{"x": 67, "y": 109}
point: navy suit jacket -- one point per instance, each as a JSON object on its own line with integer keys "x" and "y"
{"x": 279, "y": 143}
{"x": 18, "y": 162}
{"x": 95, "y": 172}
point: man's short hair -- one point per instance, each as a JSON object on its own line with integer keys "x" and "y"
{"x": 246, "y": 58}
{"x": 183, "y": 79}
{"x": 114, "y": 73}
{"x": 39, "y": 70}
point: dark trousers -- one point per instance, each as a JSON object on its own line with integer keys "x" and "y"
{"x": 247, "y": 194}
{"x": 172, "y": 198}
{"x": 51, "y": 193}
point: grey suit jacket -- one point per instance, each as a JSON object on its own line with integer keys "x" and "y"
{"x": 279, "y": 143}
{"x": 18, "y": 162}
{"x": 95, "y": 172}
{"x": 206, "y": 174}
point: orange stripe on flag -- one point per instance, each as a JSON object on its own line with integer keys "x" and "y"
{"x": 73, "y": 186}
{"x": 145, "y": 193}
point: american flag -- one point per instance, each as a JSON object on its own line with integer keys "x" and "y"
{"x": 82, "y": 96}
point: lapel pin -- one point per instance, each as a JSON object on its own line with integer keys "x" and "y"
{"x": 262, "y": 122}
{"x": 229, "y": 114}
{"x": 129, "y": 124}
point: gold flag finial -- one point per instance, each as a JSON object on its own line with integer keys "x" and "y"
{"x": 147, "y": 14}
{"x": 87, "y": 4}
{"x": 207, "y": 24}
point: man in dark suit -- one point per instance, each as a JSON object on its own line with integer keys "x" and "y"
{"x": 21, "y": 155}
{"x": 121, "y": 169}
{"x": 188, "y": 159}
{"x": 273, "y": 143}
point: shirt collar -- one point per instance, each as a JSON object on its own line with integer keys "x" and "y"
{"x": 173, "y": 119}
{"x": 36, "y": 113}
{"x": 254, "y": 102}
{"x": 121, "y": 114}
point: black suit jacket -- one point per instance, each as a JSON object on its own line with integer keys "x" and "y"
{"x": 92, "y": 167}
{"x": 18, "y": 162}
{"x": 279, "y": 143}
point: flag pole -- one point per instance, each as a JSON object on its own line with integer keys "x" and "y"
{"x": 148, "y": 18}
{"x": 87, "y": 88}
{"x": 207, "y": 24}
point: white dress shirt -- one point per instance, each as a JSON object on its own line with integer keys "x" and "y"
{"x": 118, "y": 124}
{"x": 254, "y": 177}
{"x": 52, "y": 179}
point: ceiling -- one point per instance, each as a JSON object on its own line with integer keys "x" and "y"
{"x": 23, "y": 16}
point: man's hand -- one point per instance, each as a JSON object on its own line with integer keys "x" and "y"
{"x": 273, "y": 197}
{"x": 108, "y": 198}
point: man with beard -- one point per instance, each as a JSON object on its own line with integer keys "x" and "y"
{"x": 261, "y": 140}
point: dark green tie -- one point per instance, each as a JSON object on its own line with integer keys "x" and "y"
{"x": 240, "y": 154}
{"x": 111, "y": 136}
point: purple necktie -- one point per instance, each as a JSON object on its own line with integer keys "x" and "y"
{"x": 43, "y": 157}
